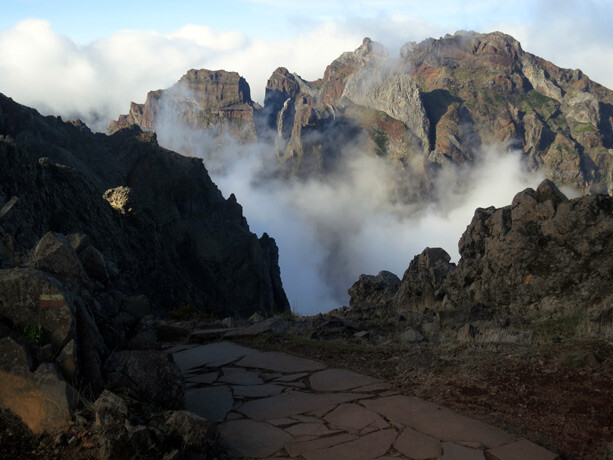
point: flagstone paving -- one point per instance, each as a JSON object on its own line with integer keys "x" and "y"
{"x": 277, "y": 406}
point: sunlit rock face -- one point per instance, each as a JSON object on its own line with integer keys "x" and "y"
{"x": 435, "y": 104}
{"x": 201, "y": 99}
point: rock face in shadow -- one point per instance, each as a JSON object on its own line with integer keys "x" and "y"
{"x": 160, "y": 224}
{"x": 374, "y": 289}
{"x": 544, "y": 256}
{"x": 97, "y": 233}
{"x": 422, "y": 284}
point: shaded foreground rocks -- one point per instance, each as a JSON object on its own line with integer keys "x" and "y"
{"x": 100, "y": 236}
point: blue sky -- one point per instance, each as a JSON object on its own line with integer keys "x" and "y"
{"x": 87, "y": 21}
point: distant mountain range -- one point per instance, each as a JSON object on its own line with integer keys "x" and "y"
{"x": 434, "y": 105}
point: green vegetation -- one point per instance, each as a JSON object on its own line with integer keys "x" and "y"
{"x": 581, "y": 128}
{"x": 564, "y": 148}
{"x": 34, "y": 334}
{"x": 565, "y": 326}
{"x": 494, "y": 98}
{"x": 539, "y": 103}
{"x": 380, "y": 139}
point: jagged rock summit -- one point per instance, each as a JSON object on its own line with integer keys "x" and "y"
{"x": 435, "y": 104}
{"x": 542, "y": 258}
{"x": 201, "y": 99}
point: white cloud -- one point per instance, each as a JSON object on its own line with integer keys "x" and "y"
{"x": 97, "y": 81}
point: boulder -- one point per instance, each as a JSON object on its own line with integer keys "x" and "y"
{"x": 42, "y": 399}
{"x": 152, "y": 376}
{"x": 411, "y": 336}
{"x": 110, "y": 408}
{"x": 30, "y": 297}
{"x": 192, "y": 431}
{"x": 376, "y": 290}
{"x": 422, "y": 283}
{"x": 94, "y": 264}
{"x": 55, "y": 255}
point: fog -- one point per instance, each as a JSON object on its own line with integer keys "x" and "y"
{"x": 329, "y": 229}
{"x": 332, "y": 228}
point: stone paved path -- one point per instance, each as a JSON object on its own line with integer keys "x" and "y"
{"x": 274, "y": 405}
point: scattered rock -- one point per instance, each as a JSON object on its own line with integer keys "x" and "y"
{"x": 151, "y": 375}
{"x": 194, "y": 432}
{"x": 374, "y": 289}
{"x": 54, "y": 254}
{"x": 411, "y": 336}
{"x": 110, "y": 409}
{"x": 41, "y": 399}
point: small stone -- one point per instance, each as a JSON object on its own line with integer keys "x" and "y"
{"x": 466, "y": 333}
{"x": 411, "y": 336}
{"x": 60, "y": 439}
{"x": 73, "y": 441}
{"x": 256, "y": 318}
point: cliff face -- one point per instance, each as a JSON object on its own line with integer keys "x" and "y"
{"x": 436, "y": 104}
{"x": 442, "y": 99}
{"x": 201, "y": 99}
{"x": 156, "y": 216}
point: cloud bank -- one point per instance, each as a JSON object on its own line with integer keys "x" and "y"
{"x": 333, "y": 228}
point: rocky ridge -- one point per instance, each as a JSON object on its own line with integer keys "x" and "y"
{"x": 542, "y": 260}
{"x": 201, "y": 99}
{"x": 437, "y": 104}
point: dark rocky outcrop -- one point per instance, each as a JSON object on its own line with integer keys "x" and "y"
{"x": 98, "y": 234}
{"x": 422, "y": 284}
{"x": 150, "y": 374}
{"x": 542, "y": 258}
{"x": 155, "y": 221}
{"x": 543, "y": 254}
{"x": 374, "y": 289}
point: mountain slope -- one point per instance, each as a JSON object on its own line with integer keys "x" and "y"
{"x": 436, "y": 104}
{"x": 156, "y": 215}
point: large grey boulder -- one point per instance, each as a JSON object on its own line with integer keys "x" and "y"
{"x": 376, "y": 290}
{"x": 54, "y": 254}
{"x": 31, "y": 300}
{"x": 151, "y": 375}
{"x": 30, "y": 297}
